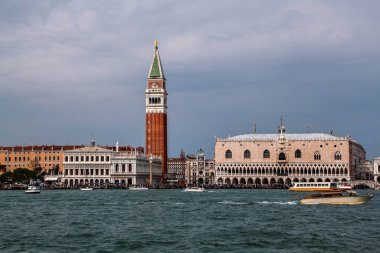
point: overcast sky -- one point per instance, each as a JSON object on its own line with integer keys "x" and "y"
{"x": 69, "y": 69}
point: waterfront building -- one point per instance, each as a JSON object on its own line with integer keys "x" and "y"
{"x": 199, "y": 170}
{"x": 177, "y": 168}
{"x": 364, "y": 171}
{"x": 94, "y": 165}
{"x": 134, "y": 168}
{"x": 286, "y": 158}
{"x": 376, "y": 169}
{"x": 87, "y": 166}
{"x": 45, "y": 157}
{"x": 156, "y": 111}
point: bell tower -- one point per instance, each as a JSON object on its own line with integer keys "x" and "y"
{"x": 156, "y": 111}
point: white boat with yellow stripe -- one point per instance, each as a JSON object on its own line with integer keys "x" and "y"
{"x": 320, "y": 187}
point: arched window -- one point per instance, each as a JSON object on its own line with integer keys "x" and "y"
{"x": 298, "y": 154}
{"x": 281, "y": 156}
{"x": 317, "y": 156}
{"x": 129, "y": 167}
{"x": 247, "y": 154}
{"x": 228, "y": 154}
{"x": 338, "y": 155}
{"x": 266, "y": 154}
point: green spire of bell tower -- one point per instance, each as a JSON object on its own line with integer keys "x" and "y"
{"x": 156, "y": 71}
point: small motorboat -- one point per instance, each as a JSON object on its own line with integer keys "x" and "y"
{"x": 86, "y": 189}
{"x": 33, "y": 189}
{"x": 138, "y": 188}
{"x": 345, "y": 186}
{"x": 336, "y": 198}
{"x": 194, "y": 189}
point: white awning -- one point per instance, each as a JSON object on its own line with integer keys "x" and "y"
{"x": 51, "y": 178}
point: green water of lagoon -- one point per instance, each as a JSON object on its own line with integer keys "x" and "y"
{"x": 177, "y": 221}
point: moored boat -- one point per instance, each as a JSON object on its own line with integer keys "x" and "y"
{"x": 33, "y": 188}
{"x": 138, "y": 188}
{"x": 317, "y": 187}
{"x": 337, "y": 198}
{"x": 86, "y": 189}
{"x": 194, "y": 189}
{"x": 344, "y": 186}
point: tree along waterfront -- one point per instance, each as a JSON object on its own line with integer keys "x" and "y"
{"x": 21, "y": 176}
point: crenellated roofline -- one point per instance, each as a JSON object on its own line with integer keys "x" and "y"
{"x": 272, "y": 137}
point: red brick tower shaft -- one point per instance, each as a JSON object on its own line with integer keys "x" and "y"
{"x": 156, "y": 112}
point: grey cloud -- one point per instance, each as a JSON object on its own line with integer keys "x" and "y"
{"x": 72, "y": 68}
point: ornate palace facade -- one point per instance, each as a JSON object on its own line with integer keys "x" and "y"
{"x": 286, "y": 158}
{"x": 192, "y": 169}
{"x": 135, "y": 169}
{"x": 95, "y": 165}
{"x": 87, "y": 166}
{"x": 199, "y": 170}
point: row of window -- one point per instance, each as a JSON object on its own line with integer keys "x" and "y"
{"x": 154, "y": 100}
{"x": 23, "y": 158}
{"x": 312, "y": 185}
{"x": 282, "y": 156}
{"x": 123, "y": 168}
{"x": 28, "y": 152}
{"x": 86, "y": 172}
{"x": 281, "y": 171}
{"x": 87, "y": 158}
{"x": 28, "y": 165}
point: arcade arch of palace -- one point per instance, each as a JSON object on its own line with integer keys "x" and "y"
{"x": 246, "y": 174}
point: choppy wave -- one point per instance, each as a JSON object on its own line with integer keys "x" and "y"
{"x": 150, "y": 202}
{"x": 279, "y": 202}
{"x": 226, "y": 202}
{"x": 229, "y": 221}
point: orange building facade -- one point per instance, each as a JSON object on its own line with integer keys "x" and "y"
{"x": 156, "y": 112}
{"x": 31, "y": 157}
